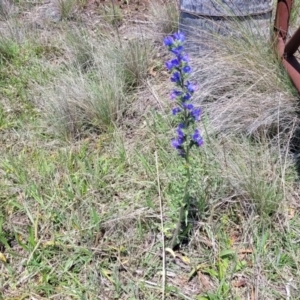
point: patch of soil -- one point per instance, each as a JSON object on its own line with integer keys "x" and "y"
{"x": 89, "y": 12}
{"x": 128, "y": 8}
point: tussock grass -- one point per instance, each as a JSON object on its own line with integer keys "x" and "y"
{"x": 135, "y": 57}
{"x": 165, "y": 16}
{"x": 254, "y": 95}
{"x": 14, "y": 30}
{"x": 294, "y": 19}
{"x": 93, "y": 94}
{"x": 111, "y": 14}
{"x": 22, "y": 62}
{"x": 82, "y": 49}
{"x": 75, "y": 104}
{"x": 8, "y": 50}
{"x": 257, "y": 173}
{"x": 7, "y": 9}
{"x": 66, "y": 8}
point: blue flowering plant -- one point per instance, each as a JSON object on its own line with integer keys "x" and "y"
{"x": 187, "y": 133}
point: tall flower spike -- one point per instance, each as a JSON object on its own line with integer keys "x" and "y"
{"x": 180, "y": 72}
{"x": 187, "y": 136}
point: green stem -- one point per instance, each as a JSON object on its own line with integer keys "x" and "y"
{"x": 185, "y": 205}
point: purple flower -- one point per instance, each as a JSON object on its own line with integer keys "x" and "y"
{"x": 196, "y": 114}
{"x": 180, "y": 132}
{"x": 188, "y": 106}
{"x": 174, "y": 43}
{"x": 177, "y": 143}
{"x": 174, "y": 63}
{"x": 186, "y": 97}
{"x": 180, "y": 71}
{"x": 186, "y": 69}
{"x": 175, "y": 94}
{"x": 190, "y": 87}
{"x": 175, "y": 111}
{"x": 169, "y": 65}
{"x": 183, "y": 58}
{"x": 177, "y": 50}
{"x": 179, "y": 36}
{"x": 168, "y": 41}
{"x": 197, "y": 138}
{"x": 176, "y": 77}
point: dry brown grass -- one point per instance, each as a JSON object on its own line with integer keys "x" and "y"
{"x": 164, "y": 16}
{"x": 244, "y": 90}
{"x": 94, "y": 90}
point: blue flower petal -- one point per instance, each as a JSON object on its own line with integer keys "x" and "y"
{"x": 188, "y": 106}
{"x": 176, "y": 77}
{"x": 168, "y": 41}
{"x": 186, "y": 97}
{"x": 176, "y": 110}
{"x": 177, "y": 50}
{"x": 196, "y": 114}
{"x": 190, "y": 87}
{"x": 197, "y": 138}
{"x": 186, "y": 69}
{"x": 179, "y": 36}
{"x": 175, "y": 94}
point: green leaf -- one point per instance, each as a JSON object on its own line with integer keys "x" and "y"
{"x": 227, "y": 253}
{"x": 241, "y": 264}
{"x": 223, "y": 266}
{"x": 210, "y": 272}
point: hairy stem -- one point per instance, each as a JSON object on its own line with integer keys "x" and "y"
{"x": 185, "y": 205}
